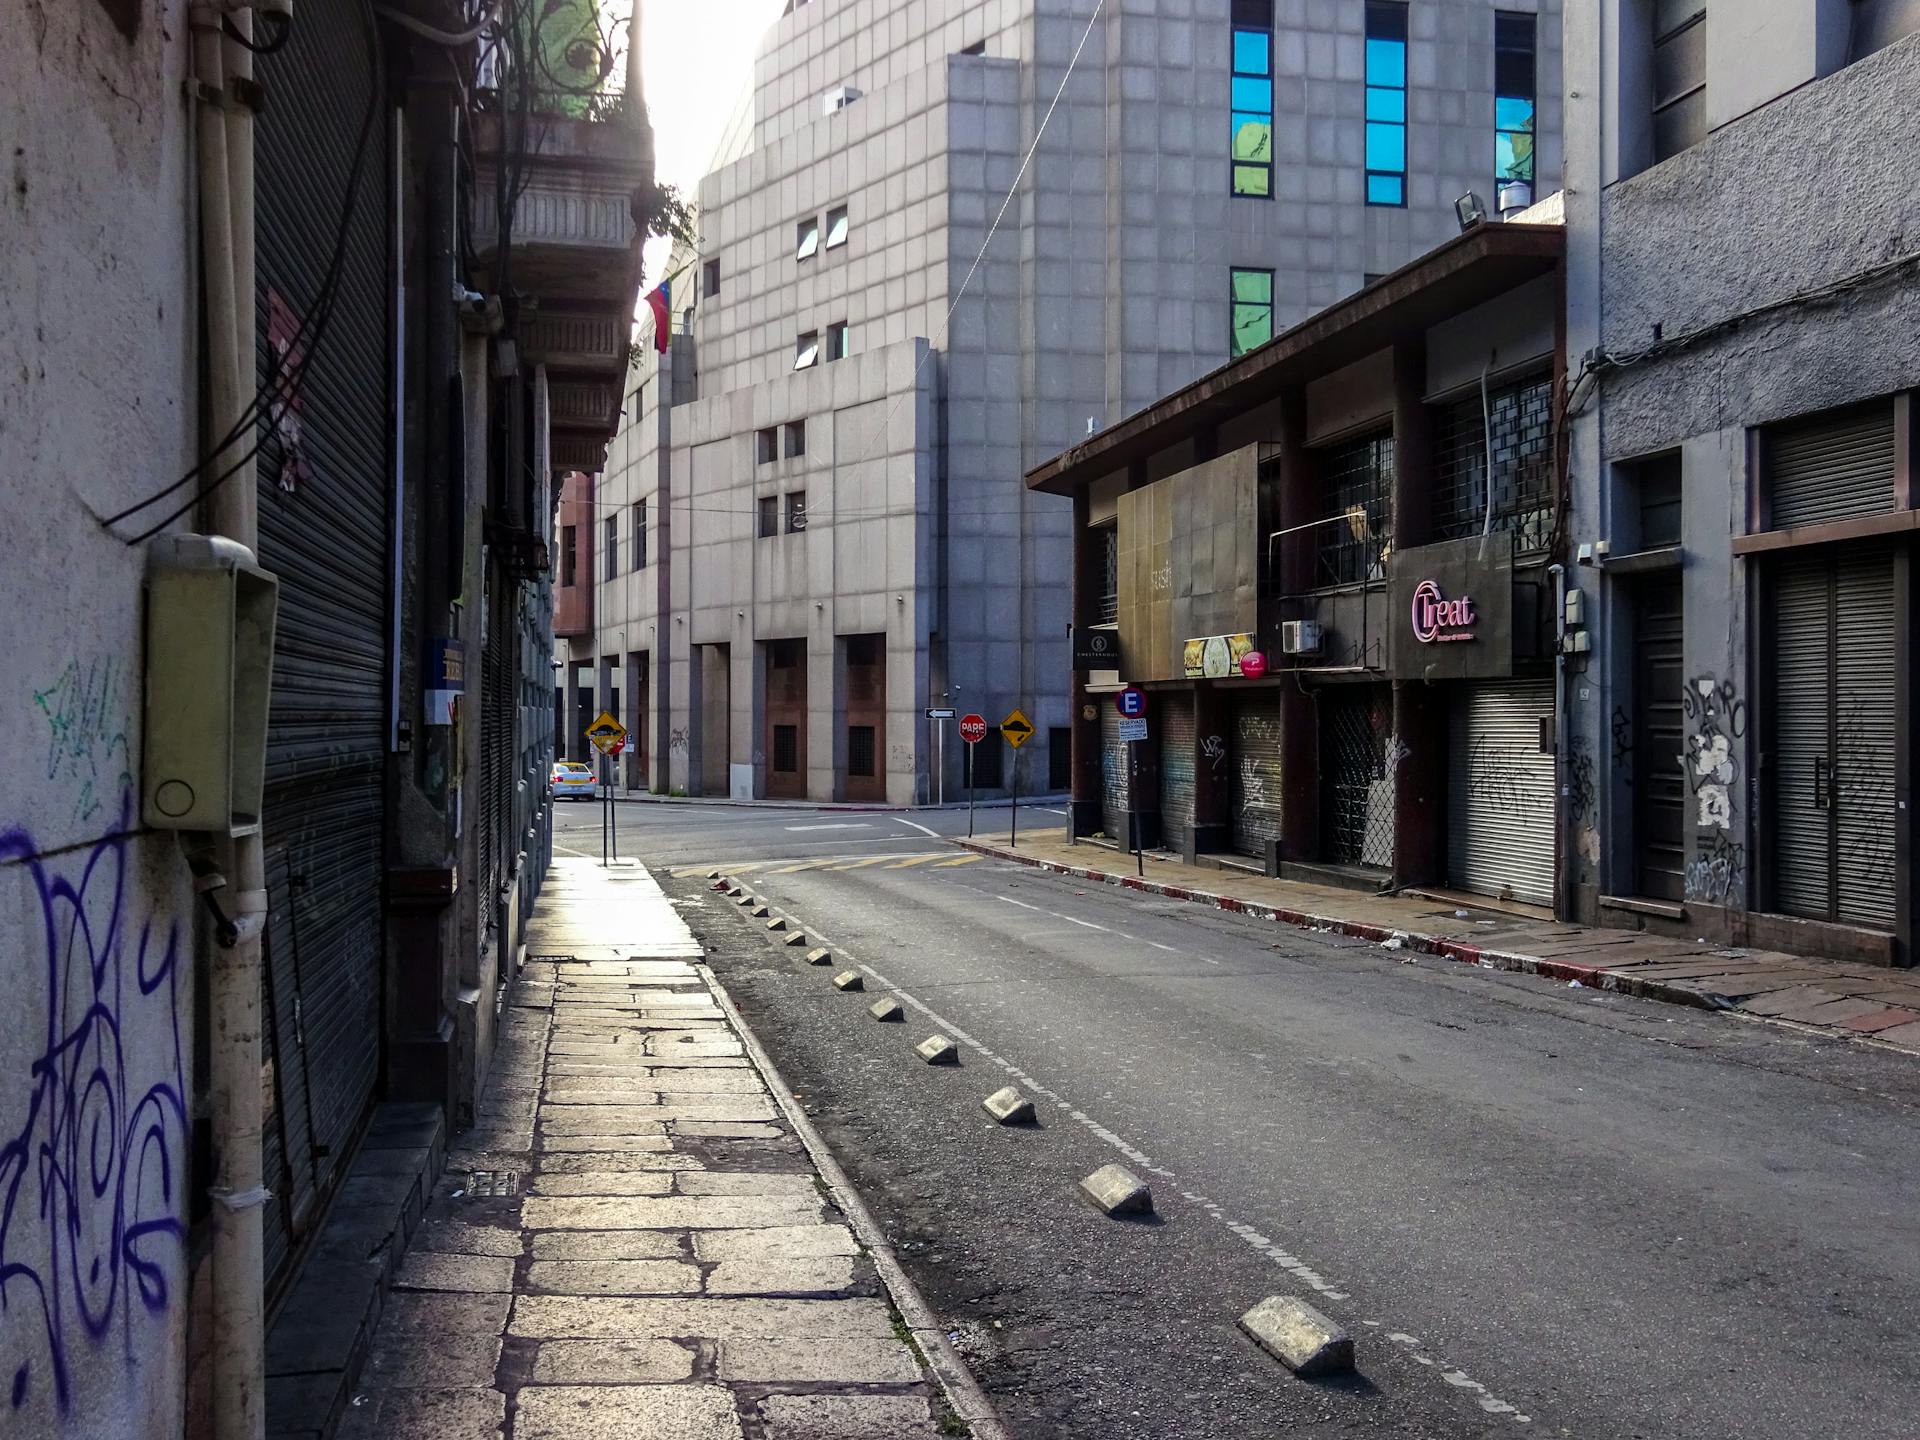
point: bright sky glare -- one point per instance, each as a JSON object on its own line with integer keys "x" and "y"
{"x": 696, "y": 56}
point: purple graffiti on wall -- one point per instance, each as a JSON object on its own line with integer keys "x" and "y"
{"x": 91, "y": 1200}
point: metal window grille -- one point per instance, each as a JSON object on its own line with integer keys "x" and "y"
{"x": 1108, "y": 608}
{"x": 1356, "y": 776}
{"x": 860, "y": 750}
{"x": 796, "y": 511}
{"x": 786, "y": 748}
{"x": 1356, "y": 480}
{"x": 1520, "y": 418}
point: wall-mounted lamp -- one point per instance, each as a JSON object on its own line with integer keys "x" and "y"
{"x": 1469, "y": 211}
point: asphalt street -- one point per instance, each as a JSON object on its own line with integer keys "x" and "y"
{"x": 1540, "y": 1210}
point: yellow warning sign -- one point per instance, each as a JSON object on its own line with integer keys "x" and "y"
{"x": 606, "y": 732}
{"x": 1016, "y": 729}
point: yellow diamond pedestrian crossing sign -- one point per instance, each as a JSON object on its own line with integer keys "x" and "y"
{"x": 1016, "y": 729}
{"x": 606, "y": 732}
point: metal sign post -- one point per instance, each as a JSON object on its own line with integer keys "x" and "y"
{"x": 1132, "y": 705}
{"x": 1016, "y": 729}
{"x": 1133, "y": 810}
{"x": 973, "y": 729}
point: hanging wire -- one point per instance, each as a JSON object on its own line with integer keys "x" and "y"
{"x": 281, "y": 385}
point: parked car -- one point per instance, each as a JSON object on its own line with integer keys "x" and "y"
{"x": 573, "y": 778}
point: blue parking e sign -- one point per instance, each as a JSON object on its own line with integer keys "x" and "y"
{"x": 1131, "y": 702}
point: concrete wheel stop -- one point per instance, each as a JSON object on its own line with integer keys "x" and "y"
{"x": 1116, "y": 1190}
{"x": 1299, "y": 1337}
{"x": 1009, "y": 1107}
{"x": 886, "y": 1010}
{"x": 938, "y": 1050}
{"x": 849, "y": 980}
{"x": 822, "y": 956}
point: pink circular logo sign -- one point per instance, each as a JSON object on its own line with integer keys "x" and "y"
{"x": 1437, "y": 619}
{"x": 1253, "y": 664}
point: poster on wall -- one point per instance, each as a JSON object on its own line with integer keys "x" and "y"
{"x": 1216, "y": 657}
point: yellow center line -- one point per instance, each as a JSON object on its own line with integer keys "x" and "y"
{"x": 962, "y": 860}
{"x": 913, "y": 860}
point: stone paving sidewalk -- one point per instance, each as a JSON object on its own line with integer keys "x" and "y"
{"x": 631, "y": 1242}
{"x": 1862, "y": 1002}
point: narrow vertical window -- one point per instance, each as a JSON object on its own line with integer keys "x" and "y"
{"x": 806, "y": 350}
{"x": 612, "y": 544}
{"x": 806, "y": 238}
{"x": 796, "y": 511}
{"x": 569, "y": 555}
{"x": 1679, "y": 76}
{"x": 1252, "y": 149}
{"x": 1252, "y": 309}
{"x": 1386, "y": 103}
{"x": 710, "y": 280}
{"x": 1514, "y": 94}
{"x": 769, "y": 515}
{"x": 836, "y": 227}
{"x": 639, "y": 534}
{"x": 837, "y": 340}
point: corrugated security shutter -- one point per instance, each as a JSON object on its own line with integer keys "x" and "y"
{"x": 1177, "y": 744}
{"x": 1256, "y": 773}
{"x": 1832, "y": 737}
{"x": 1864, "y": 738}
{"x": 1114, "y": 775}
{"x": 1831, "y": 466}
{"x": 324, "y": 474}
{"x": 1800, "y": 736}
{"x": 1500, "y": 791}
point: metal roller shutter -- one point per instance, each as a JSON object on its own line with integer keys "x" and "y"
{"x": 1500, "y": 791}
{"x": 1865, "y": 736}
{"x": 324, "y": 469}
{"x": 1256, "y": 772}
{"x": 1177, "y": 745}
{"x": 1832, "y": 736}
{"x": 1800, "y": 736}
{"x": 1830, "y": 467}
{"x": 1114, "y": 772}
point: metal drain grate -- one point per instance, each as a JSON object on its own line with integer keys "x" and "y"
{"x": 555, "y": 959}
{"x": 492, "y": 1183}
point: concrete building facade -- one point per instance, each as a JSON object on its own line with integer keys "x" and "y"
{"x": 933, "y": 265}
{"x": 1741, "y": 311}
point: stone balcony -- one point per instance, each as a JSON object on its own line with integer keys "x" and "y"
{"x": 574, "y": 262}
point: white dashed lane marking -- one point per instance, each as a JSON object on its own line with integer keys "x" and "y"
{"x": 1281, "y": 1257}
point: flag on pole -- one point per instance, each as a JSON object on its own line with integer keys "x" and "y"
{"x": 660, "y": 301}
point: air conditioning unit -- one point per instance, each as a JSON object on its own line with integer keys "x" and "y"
{"x": 840, "y": 97}
{"x": 1300, "y": 637}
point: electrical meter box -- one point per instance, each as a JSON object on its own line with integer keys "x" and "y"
{"x": 210, "y": 617}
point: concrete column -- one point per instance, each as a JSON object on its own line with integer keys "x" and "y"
{"x": 1297, "y": 505}
{"x": 1084, "y": 810}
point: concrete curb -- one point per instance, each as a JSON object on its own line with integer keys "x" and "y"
{"x": 963, "y": 1392}
{"x": 1597, "y": 977}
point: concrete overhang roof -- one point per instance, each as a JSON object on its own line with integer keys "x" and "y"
{"x": 1469, "y": 269}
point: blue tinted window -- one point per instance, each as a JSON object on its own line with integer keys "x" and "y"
{"x": 1390, "y": 105}
{"x": 1387, "y": 62}
{"x": 1251, "y": 149}
{"x": 1514, "y": 85}
{"x": 1387, "y": 147}
{"x": 1250, "y": 52}
{"x": 1386, "y": 121}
